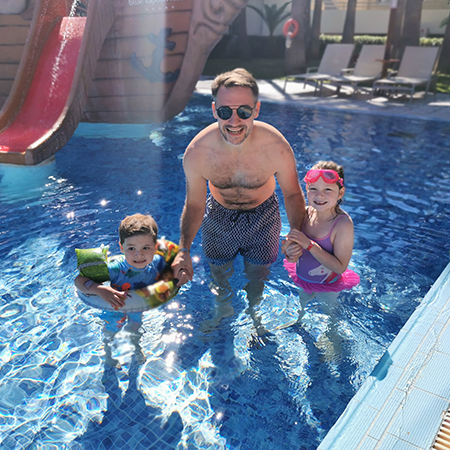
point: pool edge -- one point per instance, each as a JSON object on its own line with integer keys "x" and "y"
{"x": 403, "y": 400}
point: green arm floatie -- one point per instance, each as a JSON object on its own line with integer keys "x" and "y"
{"x": 92, "y": 263}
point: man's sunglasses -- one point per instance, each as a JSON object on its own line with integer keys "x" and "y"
{"x": 225, "y": 112}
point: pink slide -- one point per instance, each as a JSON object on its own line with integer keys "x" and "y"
{"x": 47, "y": 100}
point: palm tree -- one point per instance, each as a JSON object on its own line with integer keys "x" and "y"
{"x": 272, "y": 15}
{"x": 444, "y": 59}
{"x": 238, "y": 29}
{"x": 348, "y": 35}
{"x": 314, "y": 49}
{"x": 398, "y": 27}
{"x": 411, "y": 24}
{"x": 295, "y": 56}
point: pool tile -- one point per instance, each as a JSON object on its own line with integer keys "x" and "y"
{"x": 412, "y": 372}
{"x": 350, "y": 429}
{"x": 434, "y": 377}
{"x": 422, "y": 319}
{"x": 440, "y": 292}
{"x": 368, "y": 444}
{"x": 385, "y": 416}
{"x": 419, "y": 419}
{"x": 402, "y": 349}
{"x": 392, "y": 442}
{"x": 408, "y": 392}
{"x": 444, "y": 341}
{"x": 380, "y": 391}
{"x": 444, "y": 316}
{"x": 431, "y": 338}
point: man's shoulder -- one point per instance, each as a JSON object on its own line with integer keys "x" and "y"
{"x": 207, "y": 133}
{"x": 266, "y": 130}
{"x": 203, "y": 141}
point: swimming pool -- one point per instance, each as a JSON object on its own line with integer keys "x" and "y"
{"x": 197, "y": 390}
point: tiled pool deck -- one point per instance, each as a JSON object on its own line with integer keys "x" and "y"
{"x": 402, "y": 403}
{"x": 435, "y": 107}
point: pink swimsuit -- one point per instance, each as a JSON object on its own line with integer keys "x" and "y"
{"x": 312, "y": 276}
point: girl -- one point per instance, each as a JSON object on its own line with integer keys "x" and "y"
{"x": 322, "y": 250}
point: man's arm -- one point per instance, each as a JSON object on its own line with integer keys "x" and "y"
{"x": 287, "y": 177}
{"x": 294, "y": 200}
{"x": 192, "y": 216}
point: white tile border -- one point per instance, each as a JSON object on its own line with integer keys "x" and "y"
{"x": 389, "y": 407}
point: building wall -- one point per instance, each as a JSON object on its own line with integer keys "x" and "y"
{"x": 376, "y": 22}
{"x": 368, "y": 21}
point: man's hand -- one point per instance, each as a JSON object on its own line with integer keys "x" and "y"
{"x": 182, "y": 268}
{"x": 292, "y": 251}
{"x": 291, "y": 247}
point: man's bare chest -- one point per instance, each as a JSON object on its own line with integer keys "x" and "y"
{"x": 244, "y": 173}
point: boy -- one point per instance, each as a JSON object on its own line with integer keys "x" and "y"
{"x": 136, "y": 268}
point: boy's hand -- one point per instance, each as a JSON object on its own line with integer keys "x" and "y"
{"x": 182, "y": 268}
{"x": 115, "y": 298}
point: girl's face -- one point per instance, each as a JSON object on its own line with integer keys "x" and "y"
{"x": 323, "y": 196}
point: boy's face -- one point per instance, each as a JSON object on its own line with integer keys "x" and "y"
{"x": 139, "y": 250}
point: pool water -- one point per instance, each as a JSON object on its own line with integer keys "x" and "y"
{"x": 177, "y": 387}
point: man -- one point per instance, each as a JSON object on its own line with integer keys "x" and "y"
{"x": 238, "y": 158}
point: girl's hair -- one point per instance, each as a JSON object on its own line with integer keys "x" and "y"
{"x": 337, "y": 168}
{"x": 137, "y": 224}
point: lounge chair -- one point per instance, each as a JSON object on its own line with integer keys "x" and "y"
{"x": 367, "y": 69}
{"x": 335, "y": 58}
{"x": 416, "y": 69}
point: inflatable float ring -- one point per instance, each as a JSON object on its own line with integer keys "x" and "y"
{"x": 287, "y": 25}
{"x": 92, "y": 263}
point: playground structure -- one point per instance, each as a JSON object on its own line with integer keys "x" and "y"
{"x": 122, "y": 61}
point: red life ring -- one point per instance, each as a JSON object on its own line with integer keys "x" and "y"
{"x": 286, "y": 27}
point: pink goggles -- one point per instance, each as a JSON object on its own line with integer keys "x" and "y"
{"x": 328, "y": 175}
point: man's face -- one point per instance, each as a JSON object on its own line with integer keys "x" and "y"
{"x": 235, "y": 129}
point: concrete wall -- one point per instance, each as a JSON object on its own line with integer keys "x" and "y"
{"x": 376, "y": 22}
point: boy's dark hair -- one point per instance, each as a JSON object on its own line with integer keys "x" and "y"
{"x": 137, "y": 224}
{"x": 235, "y": 78}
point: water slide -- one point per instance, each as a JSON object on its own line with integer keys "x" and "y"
{"x": 50, "y": 91}
{"x": 127, "y": 61}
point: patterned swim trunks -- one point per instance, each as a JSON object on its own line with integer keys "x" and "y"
{"x": 254, "y": 233}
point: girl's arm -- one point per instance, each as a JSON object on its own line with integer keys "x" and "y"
{"x": 115, "y": 298}
{"x": 342, "y": 240}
